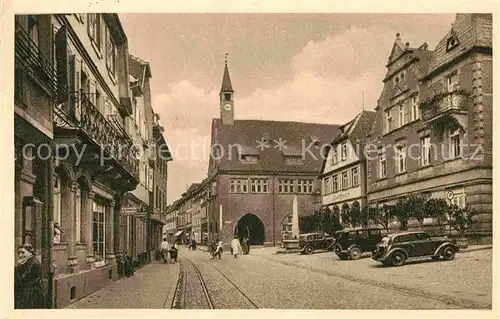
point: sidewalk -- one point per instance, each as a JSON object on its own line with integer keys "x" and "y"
{"x": 151, "y": 287}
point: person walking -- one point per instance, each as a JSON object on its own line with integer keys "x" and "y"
{"x": 165, "y": 251}
{"x": 28, "y": 292}
{"x": 244, "y": 245}
{"x": 174, "y": 251}
{"x": 235, "y": 247}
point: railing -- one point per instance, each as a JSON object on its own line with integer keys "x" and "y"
{"x": 441, "y": 103}
{"x": 81, "y": 113}
{"x": 30, "y": 60}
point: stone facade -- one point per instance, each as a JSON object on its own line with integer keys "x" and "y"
{"x": 448, "y": 145}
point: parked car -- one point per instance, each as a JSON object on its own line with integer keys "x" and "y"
{"x": 396, "y": 249}
{"x": 310, "y": 242}
{"x": 351, "y": 243}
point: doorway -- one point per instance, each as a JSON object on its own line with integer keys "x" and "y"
{"x": 252, "y": 227}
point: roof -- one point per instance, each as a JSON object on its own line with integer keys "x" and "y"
{"x": 139, "y": 69}
{"x": 405, "y": 233}
{"x": 226, "y": 81}
{"x": 355, "y": 131}
{"x": 470, "y": 30}
{"x": 248, "y": 134}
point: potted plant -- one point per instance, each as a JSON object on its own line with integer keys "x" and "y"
{"x": 461, "y": 219}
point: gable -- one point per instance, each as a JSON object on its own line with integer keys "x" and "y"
{"x": 397, "y": 50}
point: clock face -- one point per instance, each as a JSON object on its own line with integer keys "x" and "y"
{"x": 227, "y": 107}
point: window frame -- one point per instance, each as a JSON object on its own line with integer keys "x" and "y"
{"x": 100, "y": 209}
{"x": 355, "y": 177}
{"x": 426, "y": 150}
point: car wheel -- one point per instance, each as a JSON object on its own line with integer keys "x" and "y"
{"x": 355, "y": 253}
{"x": 309, "y": 250}
{"x": 342, "y": 256}
{"x": 448, "y": 253}
{"x": 398, "y": 258}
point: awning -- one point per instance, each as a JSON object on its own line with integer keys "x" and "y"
{"x": 178, "y": 233}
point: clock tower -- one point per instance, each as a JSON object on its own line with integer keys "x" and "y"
{"x": 226, "y": 98}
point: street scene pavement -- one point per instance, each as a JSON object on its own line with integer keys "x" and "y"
{"x": 264, "y": 279}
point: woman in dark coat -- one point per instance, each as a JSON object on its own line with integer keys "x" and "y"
{"x": 27, "y": 287}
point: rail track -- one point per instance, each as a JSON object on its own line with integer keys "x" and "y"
{"x": 191, "y": 291}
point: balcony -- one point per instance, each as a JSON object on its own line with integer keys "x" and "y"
{"x": 30, "y": 62}
{"x": 106, "y": 143}
{"x": 445, "y": 104}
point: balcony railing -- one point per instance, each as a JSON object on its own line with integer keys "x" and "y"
{"x": 29, "y": 60}
{"x": 443, "y": 103}
{"x": 81, "y": 113}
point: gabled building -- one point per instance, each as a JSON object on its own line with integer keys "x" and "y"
{"x": 255, "y": 170}
{"x": 343, "y": 171}
{"x": 434, "y": 121}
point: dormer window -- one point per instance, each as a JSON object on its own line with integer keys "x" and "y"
{"x": 293, "y": 160}
{"x": 452, "y": 42}
{"x": 249, "y": 159}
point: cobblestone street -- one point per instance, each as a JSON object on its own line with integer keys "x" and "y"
{"x": 319, "y": 281}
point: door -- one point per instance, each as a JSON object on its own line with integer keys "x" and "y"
{"x": 423, "y": 245}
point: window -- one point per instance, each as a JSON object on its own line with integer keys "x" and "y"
{"x": 227, "y": 97}
{"x": 426, "y": 150}
{"x": 110, "y": 53}
{"x": 57, "y": 206}
{"x": 78, "y": 214}
{"x": 250, "y": 159}
{"x": 94, "y": 29}
{"x": 355, "y": 177}
{"x": 345, "y": 180}
{"x": 382, "y": 164}
{"x": 335, "y": 155}
{"x": 458, "y": 199}
{"x": 98, "y": 235}
{"x": 33, "y": 34}
{"x": 401, "y": 115}
{"x": 344, "y": 151}
{"x": 304, "y": 186}
{"x": 455, "y": 144}
{"x": 452, "y": 82}
{"x": 452, "y": 43}
{"x": 238, "y": 185}
{"x": 260, "y": 185}
{"x": 285, "y": 186}
{"x": 388, "y": 121}
{"x": 326, "y": 185}
{"x": 400, "y": 159}
{"x": 414, "y": 108}
{"x": 335, "y": 183}
{"x": 293, "y": 160}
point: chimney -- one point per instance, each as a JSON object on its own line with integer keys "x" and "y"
{"x": 407, "y": 45}
{"x": 398, "y": 36}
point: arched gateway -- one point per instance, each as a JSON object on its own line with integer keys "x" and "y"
{"x": 250, "y": 226}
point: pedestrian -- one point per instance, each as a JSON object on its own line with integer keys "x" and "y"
{"x": 27, "y": 276}
{"x": 174, "y": 251}
{"x": 193, "y": 244}
{"x": 244, "y": 245}
{"x": 235, "y": 247}
{"x": 165, "y": 251}
{"x": 248, "y": 245}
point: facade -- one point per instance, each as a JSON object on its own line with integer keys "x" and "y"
{"x": 92, "y": 116}
{"x": 439, "y": 103}
{"x": 80, "y": 202}
{"x": 35, "y": 86}
{"x": 159, "y": 193}
{"x": 171, "y": 217}
{"x": 343, "y": 171}
{"x": 256, "y": 169}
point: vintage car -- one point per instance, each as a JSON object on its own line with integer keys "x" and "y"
{"x": 351, "y": 243}
{"x": 395, "y": 249}
{"x": 310, "y": 242}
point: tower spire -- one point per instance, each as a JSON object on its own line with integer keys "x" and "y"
{"x": 226, "y": 79}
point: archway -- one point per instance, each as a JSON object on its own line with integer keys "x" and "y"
{"x": 250, "y": 226}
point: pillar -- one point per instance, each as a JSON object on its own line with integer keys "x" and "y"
{"x": 87, "y": 220}
{"x": 71, "y": 230}
{"x": 110, "y": 232}
{"x": 118, "y": 220}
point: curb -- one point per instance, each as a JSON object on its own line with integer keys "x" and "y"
{"x": 467, "y": 250}
{"x": 171, "y": 295}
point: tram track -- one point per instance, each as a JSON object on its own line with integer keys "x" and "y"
{"x": 192, "y": 291}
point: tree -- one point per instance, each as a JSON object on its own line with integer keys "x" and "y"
{"x": 345, "y": 215}
{"x": 380, "y": 215}
{"x": 461, "y": 219}
{"x": 437, "y": 208}
{"x": 402, "y": 212}
{"x": 356, "y": 216}
{"x": 415, "y": 204}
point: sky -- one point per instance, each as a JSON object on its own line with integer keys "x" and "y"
{"x": 320, "y": 68}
